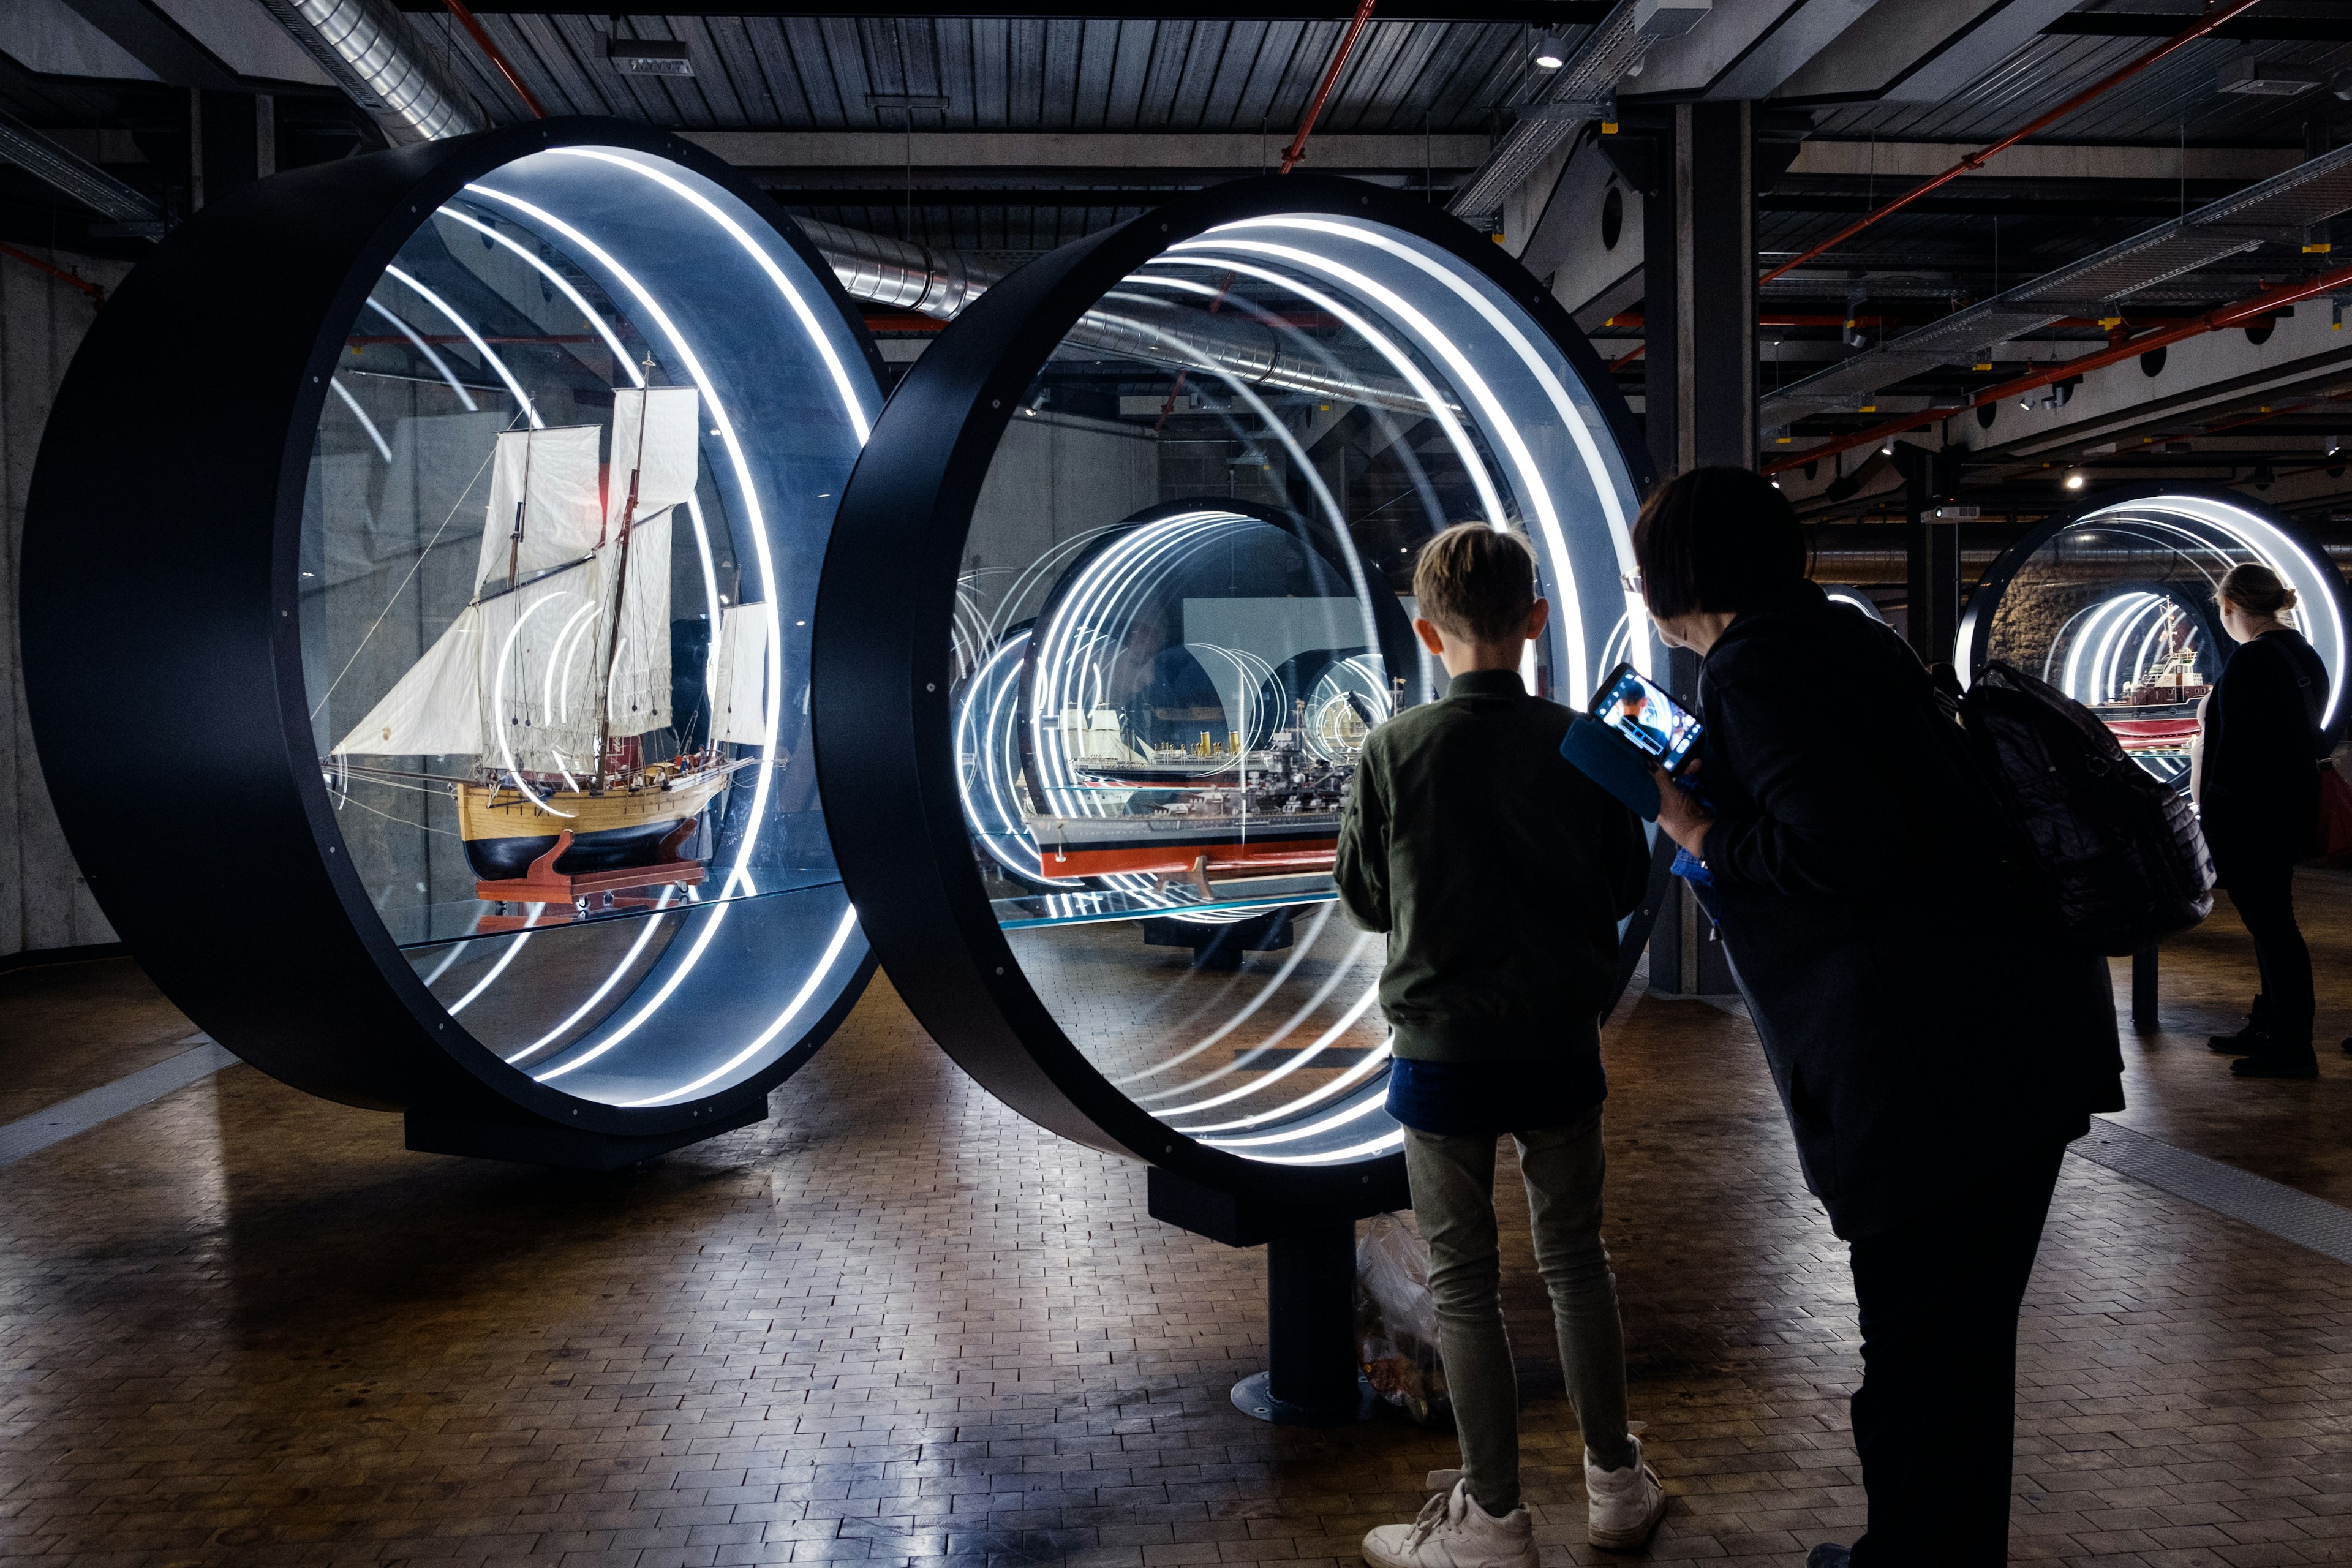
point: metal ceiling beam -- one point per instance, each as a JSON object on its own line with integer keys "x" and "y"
{"x": 2156, "y": 24}
{"x": 1534, "y": 13}
{"x": 1862, "y": 159}
{"x": 1135, "y": 154}
{"x": 2278, "y": 209}
{"x": 159, "y": 44}
{"x": 78, "y": 177}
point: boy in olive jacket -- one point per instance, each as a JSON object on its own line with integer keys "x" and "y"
{"x": 1499, "y": 873}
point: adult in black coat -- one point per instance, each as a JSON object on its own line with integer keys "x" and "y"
{"x": 1933, "y": 1056}
{"x": 2258, "y": 791}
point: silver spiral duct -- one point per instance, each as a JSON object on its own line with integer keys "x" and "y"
{"x": 903, "y": 276}
{"x": 906, "y": 276}
{"x": 370, "y": 50}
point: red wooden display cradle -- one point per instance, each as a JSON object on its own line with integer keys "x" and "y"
{"x": 569, "y": 896}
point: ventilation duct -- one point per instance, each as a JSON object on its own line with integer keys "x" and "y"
{"x": 370, "y": 51}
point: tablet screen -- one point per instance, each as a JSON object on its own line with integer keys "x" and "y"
{"x": 1637, "y": 709}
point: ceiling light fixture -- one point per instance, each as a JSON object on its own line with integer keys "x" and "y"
{"x": 1551, "y": 52}
{"x": 2074, "y": 481}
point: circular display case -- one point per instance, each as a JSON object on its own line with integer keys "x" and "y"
{"x": 424, "y": 685}
{"x": 1115, "y": 595}
{"x": 2114, "y": 607}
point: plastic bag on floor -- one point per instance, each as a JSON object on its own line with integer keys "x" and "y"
{"x": 1396, "y": 1320}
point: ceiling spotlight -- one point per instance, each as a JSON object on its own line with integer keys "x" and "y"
{"x": 2074, "y": 481}
{"x": 2335, "y": 445}
{"x": 2264, "y": 474}
{"x": 1551, "y": 52}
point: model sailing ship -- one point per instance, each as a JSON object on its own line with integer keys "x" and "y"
{"x": 560, "y": 662}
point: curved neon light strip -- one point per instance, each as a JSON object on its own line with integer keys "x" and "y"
{"x": 840, "y": 935}
{"x": 431, "y": 356}
{"x": 752, "y": 248}
{"x": 1499, "y": 424}
{"x": 596, "y": 318}
{"x": 489, "y": 356}
{"x": 1380, "y": 1146}
{"x": 1305, "y": 1010}
{"x": 462, "y": 1003}
{"x": 1306, "y": 1054}
{"x": 1353, "y": 1114}
{"x": 1374, "y": 1060}
{"x": 359, "y": 413}
{"x": 652, "y": 925}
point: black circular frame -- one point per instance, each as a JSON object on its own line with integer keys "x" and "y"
{"x": 881, "y": 690}
{"x": 163, "y": 654}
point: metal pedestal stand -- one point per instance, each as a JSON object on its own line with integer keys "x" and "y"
{"x": 1312, "y": 1377}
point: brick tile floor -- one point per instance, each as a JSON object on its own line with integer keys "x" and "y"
{"x": 898, "y": 1324}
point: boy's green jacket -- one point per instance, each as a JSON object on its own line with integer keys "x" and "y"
{"x": 1498, "y": 871}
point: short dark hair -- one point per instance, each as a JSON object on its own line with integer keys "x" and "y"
{"x": 1477, "y": 581}
{"x": 1717, "y": 539}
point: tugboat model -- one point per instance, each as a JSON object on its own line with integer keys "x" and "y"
{"x": 2155, "y": 715}
{"x": 560, "y": 663}
{"x": 1190, "y": 811}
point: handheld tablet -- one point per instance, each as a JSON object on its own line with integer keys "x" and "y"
{"x": 1640, "y": 711}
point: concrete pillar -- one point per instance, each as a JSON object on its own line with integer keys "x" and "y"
{"x": 43, "y": 901}
{"x": 1699, "y": 381}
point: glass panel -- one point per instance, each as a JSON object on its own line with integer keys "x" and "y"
{"x": 2117, "y": 611}
{"x": 1186, "y": 599}
{"x": 565, "y": 510}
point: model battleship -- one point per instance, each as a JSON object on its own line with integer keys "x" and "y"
{"x": 560, "y": 663}
{"x": 1190, "y": 811}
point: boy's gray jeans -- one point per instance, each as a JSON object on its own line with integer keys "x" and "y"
{"x": 1454, "y": 1200}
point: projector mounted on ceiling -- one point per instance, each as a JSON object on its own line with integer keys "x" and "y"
{"x": 649, "y": 57}
{"x": 2267, "y": 78}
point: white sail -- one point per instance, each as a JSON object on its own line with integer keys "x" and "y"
{"x": 434, "y": 710}
{"x": 739, "y": 676}
{"x": 550, "y": 476}
{"x": 637, "y": 694}
{"x": 541, "y": 645}
{"x": 655, "y": 440}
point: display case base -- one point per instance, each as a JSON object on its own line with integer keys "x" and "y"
{"x": 571, "y": 1149}
{"x": 1254, "y": 1397}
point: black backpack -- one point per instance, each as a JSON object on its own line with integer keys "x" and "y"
{"x": 2117, "y": 854}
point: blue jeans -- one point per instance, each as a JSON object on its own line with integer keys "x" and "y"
{"x": 1453, "y": 1199}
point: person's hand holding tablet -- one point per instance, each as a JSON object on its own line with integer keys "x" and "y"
{"x": 1681, "y": 817}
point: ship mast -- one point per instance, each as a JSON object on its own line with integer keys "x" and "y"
{"x": 620, "y": 590}
{"x": 522, "y": 501}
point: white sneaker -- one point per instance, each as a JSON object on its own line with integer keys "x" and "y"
{"x": 1454, "y": 1531}
{"x": 1621, "y": 1507}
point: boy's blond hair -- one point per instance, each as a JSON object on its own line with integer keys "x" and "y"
{"x": 1476, "y": 581}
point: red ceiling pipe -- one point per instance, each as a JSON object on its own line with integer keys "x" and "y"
{"x": 1621, "y": 362}
{"x": 488, "y": 46}
{"x": 1298, "y": 147}
{"x": 2265, "y": 303}
{"x": 59, "y": 273}
{"x": 2212, "y": 19}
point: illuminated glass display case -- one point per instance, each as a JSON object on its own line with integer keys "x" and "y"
{"x": 1118, "y": 590}
{"x": 2114, "y": 605}
{"x": 470, "y": 681}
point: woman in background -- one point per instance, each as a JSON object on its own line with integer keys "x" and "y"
{"x": 1933, "y": 1058}
{"x": 2258, "y": 790}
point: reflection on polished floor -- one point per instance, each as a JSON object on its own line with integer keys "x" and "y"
{"x": 243, "y": 1326}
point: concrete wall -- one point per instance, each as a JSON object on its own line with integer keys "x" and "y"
{"x": 43, "y": 903}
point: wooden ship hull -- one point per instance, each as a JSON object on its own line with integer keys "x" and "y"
{"x": 504, "y": 832}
